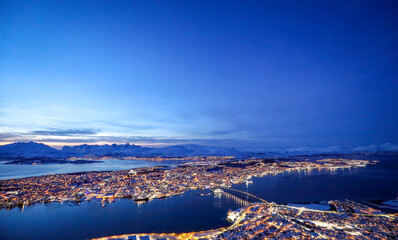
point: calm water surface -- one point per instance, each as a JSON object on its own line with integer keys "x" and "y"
{"x": 192, "y": 213}
{"x": 375, "y": 182}
{"x": 183, "y": 213}
{"x": 8, "y": 171}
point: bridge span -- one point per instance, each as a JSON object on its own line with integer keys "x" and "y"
{"x": 239, "y": 200}
{"x": 246, "y": 193}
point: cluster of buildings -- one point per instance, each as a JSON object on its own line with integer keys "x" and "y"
{"x": 346, "y": 220}
{"x": 148, "y": 183}
{"x": 352, "y": 207}
{"x": 260, "y": 221}
{"x": 272, "y": 221}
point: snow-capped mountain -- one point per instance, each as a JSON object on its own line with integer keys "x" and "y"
{"x": 32, "y": 149}
{"x": 28, "y": 150}
{"x": 35, "y": 150}
{"x": 103, "y": 150}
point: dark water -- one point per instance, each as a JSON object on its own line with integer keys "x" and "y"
{"x": 183, "y": 213}
{"x": 9, "y": 171}
{"x": 375, "y": 182}
{"x": 192, "y": 213}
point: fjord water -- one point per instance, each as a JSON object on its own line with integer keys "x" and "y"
{"x": 189, "y": 212}
{"x": 374, "y": 182}
{"x": 184, "y": 213}
{"x": 9, "y": 171}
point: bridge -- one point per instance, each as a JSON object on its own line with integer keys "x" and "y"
{"x": 246, "y": 193}
{"x": 239, "y": 200}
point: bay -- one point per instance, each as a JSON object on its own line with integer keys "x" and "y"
{"x": 9, "y": 171}
{"x": 192, "y": 212}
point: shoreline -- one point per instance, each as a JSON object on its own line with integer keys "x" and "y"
{"x": 261, "y": 220}
{"x": 149, "y": 182}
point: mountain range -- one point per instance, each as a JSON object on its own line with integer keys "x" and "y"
{"x": 34, "y": 150}
{"x": 40, "y": 150}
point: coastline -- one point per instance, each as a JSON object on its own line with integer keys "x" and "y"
{"x": 264, "y": 220}
{"x": 149, "y": 182}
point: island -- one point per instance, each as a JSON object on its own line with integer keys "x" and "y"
{"x": 151, "y": 182}
{"x": 258, "y": 220}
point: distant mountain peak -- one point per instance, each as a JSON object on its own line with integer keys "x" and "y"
{"x": 33, "y": 149}
{"x": 28, "y": 149}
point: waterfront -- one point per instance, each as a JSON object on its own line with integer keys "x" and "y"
{"x": 375, "y": 182}
{"x": 193, "y": 213}
{"x": 150, "y": 182}
{"x": 182, "y": 213}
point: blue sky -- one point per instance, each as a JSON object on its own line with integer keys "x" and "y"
{"x": 252, "y": 74}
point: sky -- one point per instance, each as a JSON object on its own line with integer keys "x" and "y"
{"x": 244, "y": 74}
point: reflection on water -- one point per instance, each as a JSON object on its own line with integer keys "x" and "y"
{"x": 241, "y": 201}
{"x": 193, "y": 211}
{"x": 184, "y": 213}
{"x": 217, "y": 200}
{"x": 374, "y": 182}
{"x": 320, "y": 171}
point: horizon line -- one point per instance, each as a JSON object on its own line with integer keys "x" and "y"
{"x": 385, "y": 147}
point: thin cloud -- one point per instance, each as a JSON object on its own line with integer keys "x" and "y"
{"x": 7, "y": 136}
{"x": 65, "y": 132}
{"x": 155, "y": 140}
{"x": 128, "y": 126}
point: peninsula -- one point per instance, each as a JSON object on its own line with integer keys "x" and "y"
{"x": 150, "y": 182}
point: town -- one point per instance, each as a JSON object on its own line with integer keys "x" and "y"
{"x": 259, "y": 220}
{"x": 273, "y": 221}
{"x": 152, "y": 182}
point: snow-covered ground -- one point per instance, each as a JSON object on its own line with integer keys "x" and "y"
{"x": 313, "y": 206}
{"x": 393, "y": 203}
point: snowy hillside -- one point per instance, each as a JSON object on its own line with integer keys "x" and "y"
{"x": 29, "y": 150}
{"x": 103, "y": 150}
{"x": 32, "y": 149}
